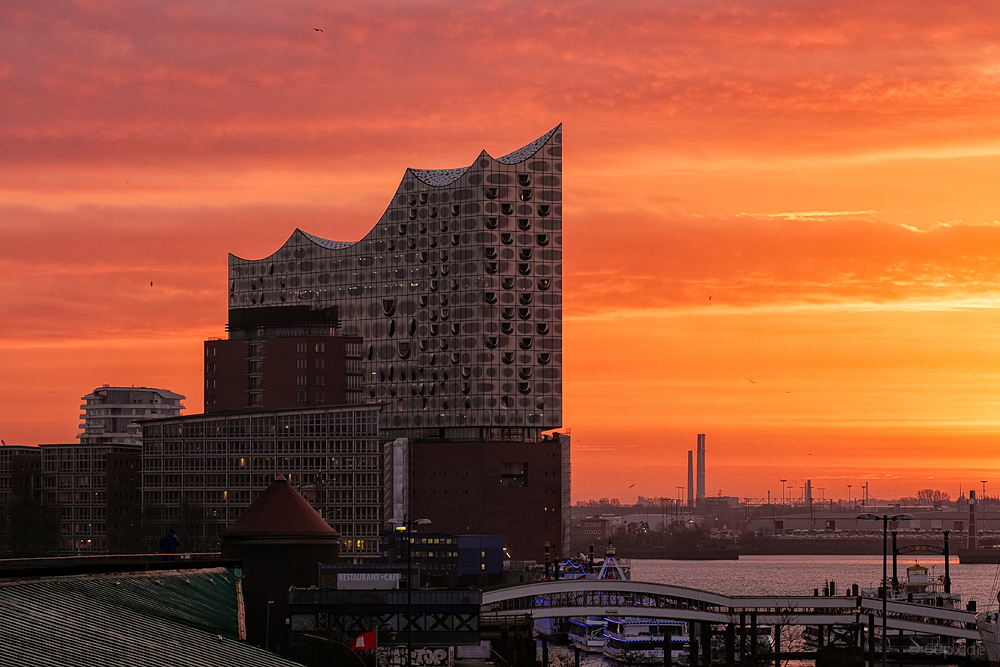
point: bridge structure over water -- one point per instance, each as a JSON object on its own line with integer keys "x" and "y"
{"x": 704, "y": 609}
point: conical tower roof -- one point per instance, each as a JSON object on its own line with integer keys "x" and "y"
{"x": 280, "y": 512}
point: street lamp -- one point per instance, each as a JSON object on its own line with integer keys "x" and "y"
{"x": 885, "y": 519}
{"x": 783, "y": 505}
{"x": 405, "y": 525}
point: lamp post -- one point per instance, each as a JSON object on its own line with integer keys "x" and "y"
{"x": 885, "y": 518}
{"x": 405, "y": 525}
{"x": 983, "y": 501}
{"x": 782, "y": 505}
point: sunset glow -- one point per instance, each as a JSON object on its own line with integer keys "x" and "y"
{"x": 781, "y": 220}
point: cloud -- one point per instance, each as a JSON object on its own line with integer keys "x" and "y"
{"x": 811, "y": 215}
{"x": 794, "y": 161}
{"x": 150, "y": 84}
{"x": 675, "y": 261}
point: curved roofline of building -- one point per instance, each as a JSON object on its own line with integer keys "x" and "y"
{"x": 443, "y": 177}
{"x": 318, "y": 240}
{"x": 434, "y": 178}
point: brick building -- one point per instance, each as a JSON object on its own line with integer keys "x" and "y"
{"x": 514, "y": 489}
{"x": 282, "y": 372}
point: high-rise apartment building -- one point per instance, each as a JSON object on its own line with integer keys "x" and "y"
{"x": 111, "y": 415}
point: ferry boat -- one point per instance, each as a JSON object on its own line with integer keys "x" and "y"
{"x": 610, "y": 568}
{"x": 641, "y": 640}
{"x": 552, "y": 630}
{"x": 988, "y": 624}
{"x": 587, "y": 633}
{"x": 919, "y": 588}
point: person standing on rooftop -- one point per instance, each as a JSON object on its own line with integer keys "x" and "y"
{"x": 168, "y": 543}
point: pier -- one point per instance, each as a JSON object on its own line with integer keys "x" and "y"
{"x": 736, "y": 618}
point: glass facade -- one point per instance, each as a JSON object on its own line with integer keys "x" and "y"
{"x": 456, "y": 291}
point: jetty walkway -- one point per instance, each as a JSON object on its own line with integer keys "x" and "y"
{"x": 557, "y": 599}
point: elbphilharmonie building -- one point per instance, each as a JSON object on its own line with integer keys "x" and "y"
{"x": 455, "y": 293}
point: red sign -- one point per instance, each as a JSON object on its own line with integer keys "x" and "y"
{"x": 364, "y": 642}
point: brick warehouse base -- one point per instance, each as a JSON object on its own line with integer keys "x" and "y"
{"x": 519, "y": 490}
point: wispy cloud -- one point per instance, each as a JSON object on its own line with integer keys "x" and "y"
{"x": 811, "y": 215}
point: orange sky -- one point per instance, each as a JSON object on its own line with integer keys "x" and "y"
{"x": 826, "y": 172}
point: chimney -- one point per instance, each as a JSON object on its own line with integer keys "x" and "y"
{"x": 701, "y": 469}
{"x": 973, "y": 529}
{"x": 690, "y": 480}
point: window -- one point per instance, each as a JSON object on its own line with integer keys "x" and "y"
{"x": 321, "y": 347}
{"x": 320, "y": 395}
{"x": 320, "y": 380}
{"x": 301, "y": 363}
{"x": 514, "y": 474}
{"x": 300, "y": 348}
{"x": 320, "y": 363}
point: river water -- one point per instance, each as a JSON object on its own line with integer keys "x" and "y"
{"x": 799, "y": 575}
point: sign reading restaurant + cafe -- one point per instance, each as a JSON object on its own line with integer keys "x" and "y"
{"x": 368, "y": 580}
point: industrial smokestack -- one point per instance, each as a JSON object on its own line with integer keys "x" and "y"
{"x": 701, "y": 468}
{"x": 973, "y": 529}
{"x": 690, "y": 480}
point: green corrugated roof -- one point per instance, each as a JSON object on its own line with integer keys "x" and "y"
{"x": 156, "y": 619}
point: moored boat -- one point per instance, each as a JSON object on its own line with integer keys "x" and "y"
{"x": 587, "y": 633}
{"x": 988, "y": 624}
{"x": 635, "y": 640}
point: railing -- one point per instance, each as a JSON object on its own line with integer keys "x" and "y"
{"x": 110, "y": 559}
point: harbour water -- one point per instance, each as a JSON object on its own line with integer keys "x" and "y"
{"x": 800, "y": 575}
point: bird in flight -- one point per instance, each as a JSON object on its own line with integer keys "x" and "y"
{"x": 318, "y": 29}
{"x": 150, "y": 283}
{"x": 709, "y": 298}
{"x": 751, "y": 382}
{"x": 632, "y": 485}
